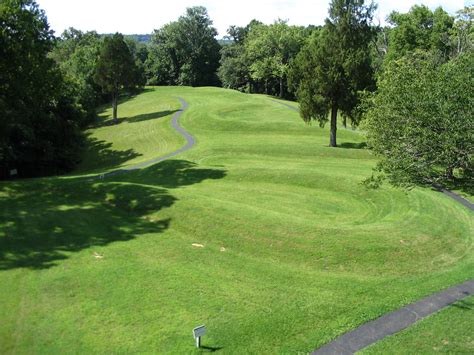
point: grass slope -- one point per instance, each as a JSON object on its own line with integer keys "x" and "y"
{"x": 295, "y": 251}
{"x": 144, "y": 133}
{"x": 449, "y": 331}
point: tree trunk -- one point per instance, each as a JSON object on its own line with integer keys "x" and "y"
{"x": 281, "y": 87}
{"x": 266, "y": 86}
{"x": 344, "y": 122}
{"x": 333, "y": 142}
{"x": 114, "y": 107}
{"x": 450, "y": 173}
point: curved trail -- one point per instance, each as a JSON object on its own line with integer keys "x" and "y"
{"x": 190, "y": 142}
{"x": 391, "y": 323}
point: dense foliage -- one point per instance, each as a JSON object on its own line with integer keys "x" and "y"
{"x": 421, "y": 120}
{"x": 270, "y": 50}
{"x": 39, "y": 132}
{"x": 76, "y": 54}
{"x": 185, "y": 52}
{"x": 420, "y": 28}
{"x": 260, "y": 56}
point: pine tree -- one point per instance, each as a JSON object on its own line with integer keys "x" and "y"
{"x": 335, "y": 65}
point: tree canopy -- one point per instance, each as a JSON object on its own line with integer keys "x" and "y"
{"x": 185, "y": 52}
{"x": 420, "y": 28}
{"x": 421, "y": 121}
{"x": 270, "y": 50}
{"x": 39, "y": 131}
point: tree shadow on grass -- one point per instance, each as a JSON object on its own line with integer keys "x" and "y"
{"x": 103, "y": 118}
{"x": 148, "y": 116}
{"x": 108, "y": 121}
{"x": 98, "y": 154}
{"x": 172, "y": 174}
{"x": 353, "y": 145}
{"x": 42, "y": 222}
{"x": 211, "y": 349}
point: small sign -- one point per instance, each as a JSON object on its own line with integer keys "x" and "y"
{"x": 13, "y": 172}
{"x": 199, "y": 331}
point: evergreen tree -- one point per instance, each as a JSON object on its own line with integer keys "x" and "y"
{"x": 116, "y": 69}
{"x": 335, "y": 65}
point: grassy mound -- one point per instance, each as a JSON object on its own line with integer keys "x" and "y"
{"x": 290, "y": 250}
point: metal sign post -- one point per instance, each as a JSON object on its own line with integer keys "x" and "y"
{"x": 198, "y": 332}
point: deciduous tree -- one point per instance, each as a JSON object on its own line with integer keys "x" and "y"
{"x": 270, "y": 50}
{"x": 39, "y": 121}
{"x": 421, "y": 120}
{"x": 185, "y": 52}
{"x": 420, "y": 29}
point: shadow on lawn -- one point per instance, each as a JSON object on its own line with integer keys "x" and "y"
{"x": 148, "y": 116}
{"x": 44, "y": 221}
{"x": 211, "y": 349}
{"x": 107, "y": 121}
{"x": 103, "y": 156}
{"x": 352, "y": 145}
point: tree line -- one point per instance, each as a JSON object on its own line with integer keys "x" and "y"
{"x": 409, "y": 83}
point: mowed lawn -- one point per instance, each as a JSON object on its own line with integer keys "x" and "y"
{"x": 295, "y": 250}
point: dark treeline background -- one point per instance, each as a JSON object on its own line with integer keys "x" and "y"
{"x": 50, "y": 87}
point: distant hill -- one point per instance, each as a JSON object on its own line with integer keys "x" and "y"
{"x": 147, "y": 38}
{"x": 225, "y": 42}
{"x": 137, "y": 37}
{"x": 140, "y": 38}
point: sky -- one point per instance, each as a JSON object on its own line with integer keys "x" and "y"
{"x": 143, "y": 16}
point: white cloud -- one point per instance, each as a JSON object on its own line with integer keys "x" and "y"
{"x": 142, "y": 16}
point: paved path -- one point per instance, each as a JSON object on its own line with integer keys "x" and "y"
{"x": 402, "y": 318}
{"x": 286, "y": 105}
{"x": 190, "y": 142}
{"x": 456, "y": 197}
{"x": 392, "y": 323}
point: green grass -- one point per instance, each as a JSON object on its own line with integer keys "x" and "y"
{"x": 144, "y": 132}
{"x": 448, "y": 331}
{"x": 309, "y": 253}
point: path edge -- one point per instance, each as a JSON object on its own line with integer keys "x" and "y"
{"x": 393, "y": 322}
